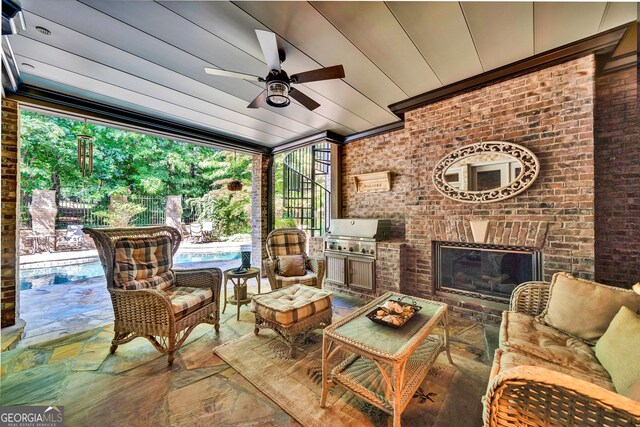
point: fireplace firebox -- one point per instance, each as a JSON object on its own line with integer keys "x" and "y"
{"x": 489, "y": 272}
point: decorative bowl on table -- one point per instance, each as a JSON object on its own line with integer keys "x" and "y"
{"x": 394, "y": 313}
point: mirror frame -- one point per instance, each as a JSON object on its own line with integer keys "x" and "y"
{"x": 529, "y": 173}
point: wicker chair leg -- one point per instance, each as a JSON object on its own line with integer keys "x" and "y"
{"x": 171, "y": 348}
{"x": 292, "y": 349}
{"x": 118, "y": 336}
{"x": 256, "y": 329}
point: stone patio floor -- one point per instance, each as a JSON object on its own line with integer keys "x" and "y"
{"x": 59, "y": 310}
{"x": 135, "y": 386}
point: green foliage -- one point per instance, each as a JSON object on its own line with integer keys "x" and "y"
{"x": 144, "y": 164}
{"x": 121, "y": 212}
{"x": 229, "y": 211}
{"x": 286, "y": 223}
{"x": 128, "y": 163}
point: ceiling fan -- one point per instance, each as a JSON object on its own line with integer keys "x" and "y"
{"x": 278, "y": 83}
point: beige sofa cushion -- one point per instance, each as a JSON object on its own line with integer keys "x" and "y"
{"x": 584, "y": 309}
{"x": 619, "y": 352}
{"x": 524, "y": 334}
{"x": 507, "y": 358}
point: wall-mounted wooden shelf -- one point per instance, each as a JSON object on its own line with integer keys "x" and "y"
{"x": 373, "y": 182}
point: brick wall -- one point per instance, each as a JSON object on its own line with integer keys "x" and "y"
{"x": 259, "y": 198}
{"x": 9, "y": 200}
{"x": 315, "y": 246}
{"x": 379, "y": 153}
{"x": 550, "y": 112}
{"x": 617, "y": 178}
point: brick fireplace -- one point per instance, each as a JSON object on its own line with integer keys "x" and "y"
{"x": 485, "y": 271}
{"x": 550, "y": 112}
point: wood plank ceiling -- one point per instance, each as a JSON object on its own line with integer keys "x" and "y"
{"x": 149, "y": 56}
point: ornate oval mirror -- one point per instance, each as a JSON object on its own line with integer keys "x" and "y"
{"x": 486, "y": 172}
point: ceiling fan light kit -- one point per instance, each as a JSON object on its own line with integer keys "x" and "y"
{"x": 278, "y": 90}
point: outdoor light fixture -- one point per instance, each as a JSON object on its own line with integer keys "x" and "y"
{"x": 278, "y": 93}
{"x": 245, "y": 253}
{"x": 85, "y": 152}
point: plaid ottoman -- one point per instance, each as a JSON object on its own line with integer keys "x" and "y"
{"x": 292, "y": 312}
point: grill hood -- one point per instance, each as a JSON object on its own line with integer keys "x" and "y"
{"x": 374, "y": 229}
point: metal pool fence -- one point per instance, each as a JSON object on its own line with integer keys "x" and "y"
{"x": 75, "y": 211}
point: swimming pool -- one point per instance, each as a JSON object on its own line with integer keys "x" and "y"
{"x": 33, "y": 278}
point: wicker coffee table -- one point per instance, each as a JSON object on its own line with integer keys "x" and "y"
{"x": 386, "y": 365}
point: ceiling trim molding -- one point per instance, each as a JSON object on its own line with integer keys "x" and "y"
{"x": 335, "y": 138}
{"x": 389, "y": 127}
{"x": 594, "y": 44}
{"x": 51, "y": 101}
{"x": 325, "y": 136}
{"x": 618, "y": 63}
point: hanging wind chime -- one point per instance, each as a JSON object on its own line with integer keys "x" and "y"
{"x": 85, "y": 152}
{"x": 234, "y": 184}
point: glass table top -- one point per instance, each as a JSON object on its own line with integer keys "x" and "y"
{"x": 384, "y": 338}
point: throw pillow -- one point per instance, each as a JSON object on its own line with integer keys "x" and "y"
{"x": 584, "y": 309}
{"x": 292, "y": 265}
{"x": 619, "y": 353}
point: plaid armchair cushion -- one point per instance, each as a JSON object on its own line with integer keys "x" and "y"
{"x": 144, "y": 263}
{"x": 309, "y": 279}
{"x": 185, "y": 300}
{"x": 292, "y": 304}
{"x": 286, "y": 244}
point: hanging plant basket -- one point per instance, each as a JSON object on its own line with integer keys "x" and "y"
{"x": 234, "y": 185}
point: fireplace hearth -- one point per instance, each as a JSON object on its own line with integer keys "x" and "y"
{"x": 489, "y": 272}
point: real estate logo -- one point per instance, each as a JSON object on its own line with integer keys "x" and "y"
{"x": 31, "y": 416}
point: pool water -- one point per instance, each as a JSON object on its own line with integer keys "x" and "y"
{"x": 39, "y": 277}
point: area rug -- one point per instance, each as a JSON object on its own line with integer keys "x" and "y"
{"x": 449, "y": 396}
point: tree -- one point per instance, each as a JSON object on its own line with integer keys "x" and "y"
{"x": 146, "y": 165}
{"x": 121, "y": 212}
{"x": 229, "y": 211}
{"x": 140, "y": 165}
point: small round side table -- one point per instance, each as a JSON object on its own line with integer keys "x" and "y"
{"x": 240, "y": 295}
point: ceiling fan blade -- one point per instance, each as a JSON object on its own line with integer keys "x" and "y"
{"x": 236, "y": 75}
{"x": 260, "y": 101}
{"x": 269, "y": 47}
{"x": 303, "y": 99}
{"x": 328, "y": 73}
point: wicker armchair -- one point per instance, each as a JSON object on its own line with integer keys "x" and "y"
{"x": 149, "y": 312}
{"x": 536, "y": 396}
{"x": 291, "y": 241}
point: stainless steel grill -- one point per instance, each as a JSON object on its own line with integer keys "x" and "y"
{"x": 350, "y": 249}
{"x": 357, "y": 236}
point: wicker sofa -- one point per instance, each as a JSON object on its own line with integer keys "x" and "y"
{"x": 542, "y": 376}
